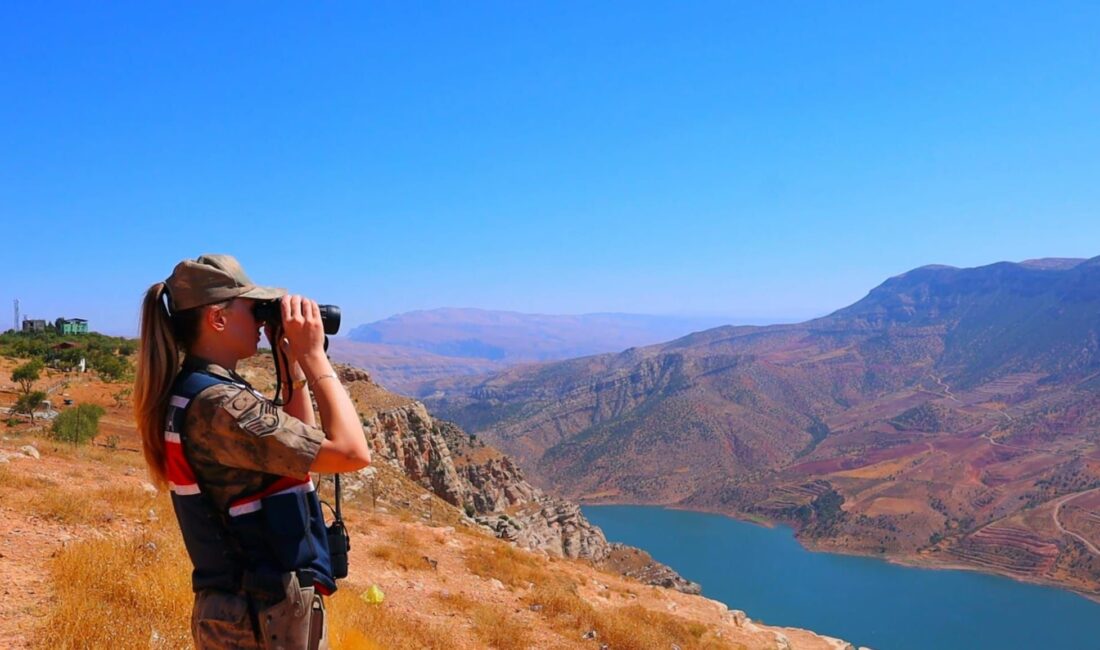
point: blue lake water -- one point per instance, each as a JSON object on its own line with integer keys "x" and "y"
{"x": 866, "y": 601}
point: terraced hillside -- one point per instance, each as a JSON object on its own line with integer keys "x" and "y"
{"x": 947, "y": 405}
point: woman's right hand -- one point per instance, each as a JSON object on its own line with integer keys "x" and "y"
{"x": 302, "y": 326}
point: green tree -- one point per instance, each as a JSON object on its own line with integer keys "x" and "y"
{"x": 27, "y": 374}
{"x": 110, "y": 367}
{"x": 27, "y": 402}
{"x": 77, "y": 425}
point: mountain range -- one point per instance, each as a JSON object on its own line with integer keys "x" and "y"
{"x": 950, "y": 417}
{"x": 405, "y": 351}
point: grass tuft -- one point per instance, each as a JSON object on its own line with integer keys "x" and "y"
{"x": 498, "y": 627}
{"x": 402, "y": 550}
{"x": 121, "y": 593}
{"x": 354, "y": 623}
{"x": 505, "y": 563}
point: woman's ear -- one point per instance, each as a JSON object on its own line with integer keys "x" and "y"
{"x": 216, "y": 318}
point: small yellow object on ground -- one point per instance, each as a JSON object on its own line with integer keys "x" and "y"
{"x": 374, "y": 595}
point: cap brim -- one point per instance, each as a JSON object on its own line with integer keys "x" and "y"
{"x": 263, "y": 293}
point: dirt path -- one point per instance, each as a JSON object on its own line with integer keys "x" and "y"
{"x": 945, "y": 387}
{"x": 1063, "y": 529}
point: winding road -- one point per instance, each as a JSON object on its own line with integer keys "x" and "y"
{"x": 1063, "y": 529}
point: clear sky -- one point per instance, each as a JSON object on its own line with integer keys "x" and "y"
{"x": 761, "y": 160}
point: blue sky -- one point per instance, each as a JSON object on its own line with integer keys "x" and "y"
{"x": 766, "y": 160}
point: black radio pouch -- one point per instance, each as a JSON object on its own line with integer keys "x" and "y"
{"x": 339, "y": 542}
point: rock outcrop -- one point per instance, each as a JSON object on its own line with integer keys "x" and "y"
{"x": 486, "y": 484}
{"x": 637, "y": 564}
{"x": 553, "y": 525}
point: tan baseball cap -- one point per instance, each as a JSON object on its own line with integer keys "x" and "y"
{"x": 210, "y": 279}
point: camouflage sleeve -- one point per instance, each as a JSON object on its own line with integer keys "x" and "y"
{"x": 241, "y": 429}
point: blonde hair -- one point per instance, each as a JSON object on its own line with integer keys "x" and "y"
{"x": 157, "y": 365}
{"x": 164, "y": 338}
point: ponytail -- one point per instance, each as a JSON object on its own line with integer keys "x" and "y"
{"x": 158, "y": 363}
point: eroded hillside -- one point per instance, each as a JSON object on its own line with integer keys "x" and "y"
{"x": 949, "y": 417}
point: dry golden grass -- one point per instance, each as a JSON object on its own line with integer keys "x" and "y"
{"x": 10, "y": 478}
{"x": 624, "y": 628}
{"x": 496, "y": 626}
{"x": 503, "y": 562}
{"x": 355, "y": 624}
{"x": 95, "y": 507}
{"x": 135, "y": 592}
{"x": 401, "y": 549}
{"x": 121, "y": 593}
{"x": 66, "y": 507}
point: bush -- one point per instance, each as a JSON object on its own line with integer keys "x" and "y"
{"x": 28, "y": 402}
{"x": 78, "y": 425}
{"x": 109, "y": 366}
{"x": 27, "y": 374}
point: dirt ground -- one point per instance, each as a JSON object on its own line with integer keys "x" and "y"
{"x": 56, "y": 500}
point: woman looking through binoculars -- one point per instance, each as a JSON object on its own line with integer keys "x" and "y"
{"x": 236, "y": 463}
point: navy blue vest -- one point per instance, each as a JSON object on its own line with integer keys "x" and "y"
{"x": 259, "y": 537}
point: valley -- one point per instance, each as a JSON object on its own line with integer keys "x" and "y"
{"x": 950, "y": 418}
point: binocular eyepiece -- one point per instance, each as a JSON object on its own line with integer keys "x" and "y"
{"x": 269, "y": 311}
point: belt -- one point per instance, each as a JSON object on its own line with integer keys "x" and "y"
{"x": 271, "y": 584}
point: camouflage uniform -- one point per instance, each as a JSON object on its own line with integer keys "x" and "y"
{"x": 238, "y": 443}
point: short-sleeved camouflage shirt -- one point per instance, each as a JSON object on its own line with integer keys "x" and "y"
{"x": 239, "y": 442}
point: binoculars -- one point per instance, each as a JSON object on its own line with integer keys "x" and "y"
{"x": 269, "y": 311}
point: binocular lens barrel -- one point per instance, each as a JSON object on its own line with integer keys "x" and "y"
{"x": 269, "y": 311}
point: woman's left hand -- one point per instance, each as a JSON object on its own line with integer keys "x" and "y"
{"x": 294, "y": 373}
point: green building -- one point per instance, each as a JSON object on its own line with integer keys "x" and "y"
{"x": 71, "y": 326}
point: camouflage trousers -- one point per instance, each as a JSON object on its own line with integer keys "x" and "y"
{"x": 223, "y": 620}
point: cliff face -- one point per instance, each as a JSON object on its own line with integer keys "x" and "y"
{"x": 486, "y": 484}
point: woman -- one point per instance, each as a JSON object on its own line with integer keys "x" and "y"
{"x": 237, "y": 465}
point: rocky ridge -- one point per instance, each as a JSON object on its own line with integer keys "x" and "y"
{"x": 486, "y": 484}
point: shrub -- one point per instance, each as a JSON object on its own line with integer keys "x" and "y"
{"x": 27, "y": 374}
{"x": 78, "y": 425}
{"x": 109, "y": 366}
{"x": 28, "y": 402}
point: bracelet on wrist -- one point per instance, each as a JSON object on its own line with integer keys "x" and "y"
{"x": 330, "y": 375}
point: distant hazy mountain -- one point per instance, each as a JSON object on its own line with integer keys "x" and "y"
{"x": 515, "y": 337}
{"x": 407, "y": 350}
{"x": 403, "y": 369}
{"x": 939, "y": 411}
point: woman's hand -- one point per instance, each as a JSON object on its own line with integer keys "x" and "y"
{"x": 302, "y": 326}
{"x": 289, "y": 364}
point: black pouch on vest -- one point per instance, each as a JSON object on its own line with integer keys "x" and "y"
{"x": 338, "y": 544}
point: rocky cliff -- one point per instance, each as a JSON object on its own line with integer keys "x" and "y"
{"x": 489, "y": 486}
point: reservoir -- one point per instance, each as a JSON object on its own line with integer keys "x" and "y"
{"x": 866, "y": 601}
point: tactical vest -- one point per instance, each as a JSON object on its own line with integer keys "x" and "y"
{"x": 260, "y": 537}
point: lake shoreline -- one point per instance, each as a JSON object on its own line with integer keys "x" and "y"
{"x": 913, "y": 561}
